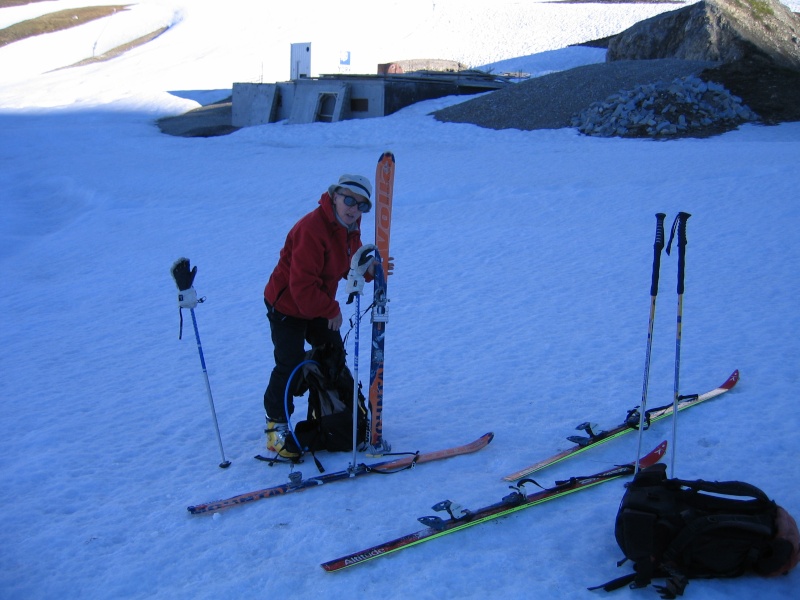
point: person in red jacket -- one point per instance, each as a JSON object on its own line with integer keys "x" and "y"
{"x": 301, "y": 292}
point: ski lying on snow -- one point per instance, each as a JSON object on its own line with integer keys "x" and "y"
{"x": 461, "y": 518}
{"x": 388, "y": 466}
{"x": 631, "y": 423}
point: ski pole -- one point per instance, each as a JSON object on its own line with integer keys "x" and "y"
{"x": 187, "y": 298}
{"x": 355, "y": 383}
{"x": 658, "y": 246}
{"x": 680, "y": 226}
{"x": 225, "y": 463}
{"x": 359, "y": 264}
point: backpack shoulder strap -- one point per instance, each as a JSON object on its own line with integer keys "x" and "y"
{"x": 327, "y": 394}
{"x": 652, "y": 475}
{"x": 725, "y": 488}
{"x": 725, "y": 496}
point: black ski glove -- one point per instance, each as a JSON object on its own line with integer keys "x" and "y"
{"x": 184, "y": 277}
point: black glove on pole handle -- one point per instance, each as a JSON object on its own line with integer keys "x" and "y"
{"x": 187, "y": 296}
{"x": 658, "y": 246}
{"x": 184, "y": 278}
{"x": 680, "y": 226}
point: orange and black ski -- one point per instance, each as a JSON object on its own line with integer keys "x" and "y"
{"x": 384, "y": 190}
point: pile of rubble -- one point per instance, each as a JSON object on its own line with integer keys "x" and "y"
{"x": 682, "y": 107}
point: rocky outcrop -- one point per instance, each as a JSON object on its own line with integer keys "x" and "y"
{"x": 683, "y": 107}
{"x": 717, "y": 30}
{"x": 733, "y": 33}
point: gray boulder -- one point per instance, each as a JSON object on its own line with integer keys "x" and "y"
{"x": 683, "y": 107}
{"x": 715, "y": 30}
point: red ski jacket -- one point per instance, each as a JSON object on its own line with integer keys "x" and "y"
{"x": 315, "y": 256}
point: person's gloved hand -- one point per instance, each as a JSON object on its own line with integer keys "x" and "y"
{"x": 388, "y": 267}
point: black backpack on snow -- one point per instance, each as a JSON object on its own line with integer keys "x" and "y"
{"x": 678, "y": 530}
{"x": 329, "y": 422}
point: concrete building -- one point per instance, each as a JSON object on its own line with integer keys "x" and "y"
{"x": 342, "y": 96}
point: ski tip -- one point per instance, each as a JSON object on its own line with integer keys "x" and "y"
{"x": 388, "y": 154}
{"x": 656, "y": 455}
{"x": 731, "y": 381}
{"x": 489, "y": 436}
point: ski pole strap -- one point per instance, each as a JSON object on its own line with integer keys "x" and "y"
{"x": 180, "y": 316}
{"x": 410, "y": 465}
{"x": 527, "y": 480}
{"x": 679, "y": 225}
{"x": 658, "y": 246}
{"x": 352, "y": 321}
{"x": 622, "y": 470}
{"x": 614, "y": 584}
{"x": 317, "y": 463}
{"x": 681, "y": 398}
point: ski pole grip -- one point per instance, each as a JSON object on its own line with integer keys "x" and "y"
{"x": 658, "y": 246}
{"x": 682, "y": 218}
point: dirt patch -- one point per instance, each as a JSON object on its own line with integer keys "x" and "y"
{"x": 57, "y": 21}
{"x": 119, "y": 50}
{"x": 65, "y": 19}
{"x": 9, "y": 3}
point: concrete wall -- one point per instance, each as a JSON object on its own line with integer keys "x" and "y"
{"x": 306, "y": 101}
{"x": 254, "y": 104}
{"x": 315, "y": 101}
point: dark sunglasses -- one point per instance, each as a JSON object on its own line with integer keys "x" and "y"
{"x": 351, "y": 201}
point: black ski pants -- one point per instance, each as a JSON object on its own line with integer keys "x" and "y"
{"x": 289, "y": 335}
